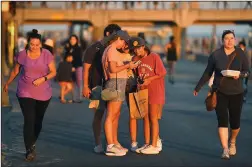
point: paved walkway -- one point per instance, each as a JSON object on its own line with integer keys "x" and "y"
{"x": 188, "y": 130}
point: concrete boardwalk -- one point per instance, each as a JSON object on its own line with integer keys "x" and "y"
{"x": 188, "y": 130}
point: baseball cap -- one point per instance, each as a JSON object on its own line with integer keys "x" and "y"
{"x": 137, "y": 42}
{"x": 122, "y": 34}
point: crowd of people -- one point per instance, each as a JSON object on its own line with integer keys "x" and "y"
{"x": 123, "y": 64}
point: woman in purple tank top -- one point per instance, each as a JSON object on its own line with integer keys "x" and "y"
{"x": 36, "y": 67}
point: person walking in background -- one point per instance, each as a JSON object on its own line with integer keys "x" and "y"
{"x": 66, "y": 76}
{"x": 151, "y": 70}
{"x": 242, "y": 45}
{"x": 73, "y": 48}
{"x": 49, "y": 45}
{"x": 229, "y": 89}
{"x": 225, "y": 4}
{"x": 171, "y": 50}
{"x": 34, "y": 89}
{"x": 248, "y": 4}
{"x": 115, "y": 73}
{"x": 21, "y": 42}
{"x": 93, "y": 79}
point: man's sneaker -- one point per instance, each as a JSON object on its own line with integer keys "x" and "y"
{"x": 150, "y": 150}
{"x": 121, "y": 147}
{"x": 159, "y": 145}
{"x": 232, "y": 149}
{"x": 115, "y": 151}
{"x": 141, "y": 148}
{"x": 225, "y": 154}
{"x": 134, "y": 146}
{"x": 98, "y": 149}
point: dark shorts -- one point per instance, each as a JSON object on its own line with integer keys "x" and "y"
{"x": 130, "y": 88}
{"x": 96, "y": 101}
{"x": 131, "y": 85}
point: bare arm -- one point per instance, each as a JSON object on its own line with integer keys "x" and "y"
{"x": 167, "y": 46}
{"x": 52, "y": 70}
{"x": 14, "y": 73}
{"x": 86, "y": 91}
{"x": 89, "y": 57}
{"x": 86, "y": 68}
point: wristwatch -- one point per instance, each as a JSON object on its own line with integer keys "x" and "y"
{"x": 45, "y": 78}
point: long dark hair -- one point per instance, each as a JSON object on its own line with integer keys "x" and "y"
{"x": 147, "y": 49}
{"x": 77, "y": 40}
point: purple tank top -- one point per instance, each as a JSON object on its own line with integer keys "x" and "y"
{"x": 32, "y": 69}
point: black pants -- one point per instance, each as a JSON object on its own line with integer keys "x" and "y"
{"x": 33, "y": 112}
{"x": 246, "y": 89}
{"x": 228, "y": 110}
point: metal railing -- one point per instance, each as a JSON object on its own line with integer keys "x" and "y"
{"x": 131, "y": 5}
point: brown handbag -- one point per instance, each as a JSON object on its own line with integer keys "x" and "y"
{"x": 211, "y": 99}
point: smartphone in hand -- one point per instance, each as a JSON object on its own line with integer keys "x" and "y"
{"x": 137, "y": 62}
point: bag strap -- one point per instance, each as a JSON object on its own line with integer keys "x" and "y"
{"x": 229, "y": 63}
{"x": 137, "y": 104}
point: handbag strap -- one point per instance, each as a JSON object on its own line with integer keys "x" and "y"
{"x": 137, "y": 104}
{"x": 229, "y": 63}
{"x": 105, "y": 71}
